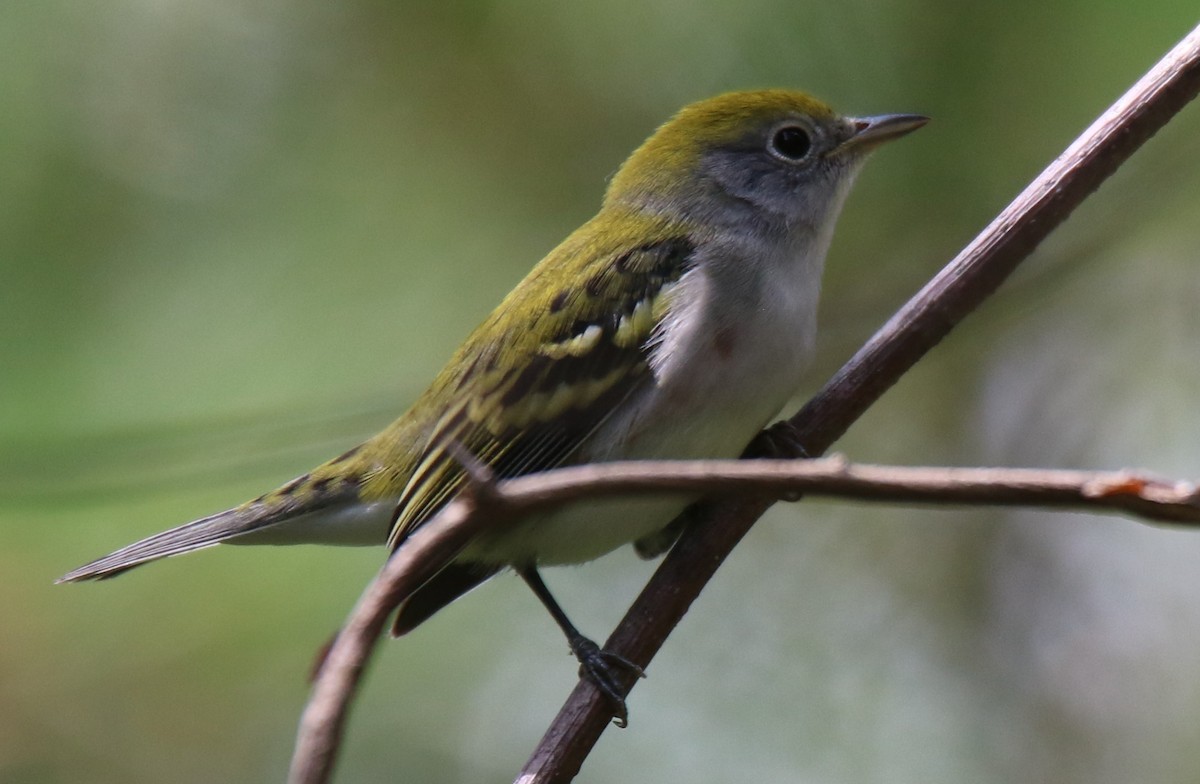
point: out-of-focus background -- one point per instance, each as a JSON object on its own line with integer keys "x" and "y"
{"x": 236, "y": 237}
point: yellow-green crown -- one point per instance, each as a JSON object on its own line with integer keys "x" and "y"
{"x": 669, "y": 157}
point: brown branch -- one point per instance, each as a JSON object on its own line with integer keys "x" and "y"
{"x": 1135, "y": 493}
{"x": 337, "y": 678}
{"x": 969, "y": 279}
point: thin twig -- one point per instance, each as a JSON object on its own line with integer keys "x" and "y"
{"x": 1137, "y": 493}
{"x": 969, "y": 279}
{"x": 323, "y": 722}
{"x": 1131, "y": 492}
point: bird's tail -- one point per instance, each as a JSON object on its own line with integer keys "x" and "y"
{"x": 308, "y": 509}
{"x": 186, "y": 538}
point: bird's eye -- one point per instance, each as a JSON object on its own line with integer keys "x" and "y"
{"x": 791, "y": 143}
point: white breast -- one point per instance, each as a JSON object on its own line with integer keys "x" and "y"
{"x": 728, "y": 355}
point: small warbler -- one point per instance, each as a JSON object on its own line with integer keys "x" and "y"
{"x": 673, "y": 324}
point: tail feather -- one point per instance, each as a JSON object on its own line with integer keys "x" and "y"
{"x": 186, "y": 538}
{"x": 298, "y": 507}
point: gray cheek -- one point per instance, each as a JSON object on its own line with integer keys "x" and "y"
{"x": 748, "y": 178}
{"x": 770, "y": 187}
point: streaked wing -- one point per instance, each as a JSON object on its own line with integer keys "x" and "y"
{"x": 532, "y": 411}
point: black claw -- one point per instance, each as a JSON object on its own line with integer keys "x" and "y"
{"x": 606, "y": 671}
{"x": 779, "y": 441}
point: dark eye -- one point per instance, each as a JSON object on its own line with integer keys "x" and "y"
{"x": 791, "y": 143}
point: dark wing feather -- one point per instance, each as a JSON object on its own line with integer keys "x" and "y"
{"x": 537, "y": 413}
{"x": 441, "y": 589}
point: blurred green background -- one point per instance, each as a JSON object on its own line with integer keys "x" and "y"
{"x": 236, "y": 237}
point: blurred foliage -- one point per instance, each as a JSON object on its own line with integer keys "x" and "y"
{"x": 237, "y": 236}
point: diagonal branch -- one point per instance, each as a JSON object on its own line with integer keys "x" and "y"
{"x": 340, "y": 670}
{"x": 957, "y": 290}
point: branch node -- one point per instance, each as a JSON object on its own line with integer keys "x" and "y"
{"x": 479, "y": 486}
{"x": 1121, "y": 483}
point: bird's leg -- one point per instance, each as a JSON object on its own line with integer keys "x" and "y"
{"x": 604, "y": 669}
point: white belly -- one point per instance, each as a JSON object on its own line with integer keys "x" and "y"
{"x": 716, "y": 387}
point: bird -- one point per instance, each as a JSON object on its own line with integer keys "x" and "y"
{"x": 675, "y": 323}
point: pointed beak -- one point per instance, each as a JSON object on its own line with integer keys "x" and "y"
{"x": 869, "y": 132}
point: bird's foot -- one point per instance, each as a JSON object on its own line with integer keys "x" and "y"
{"x": 608, "y": 672}
{"x": 780, "y": 441}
